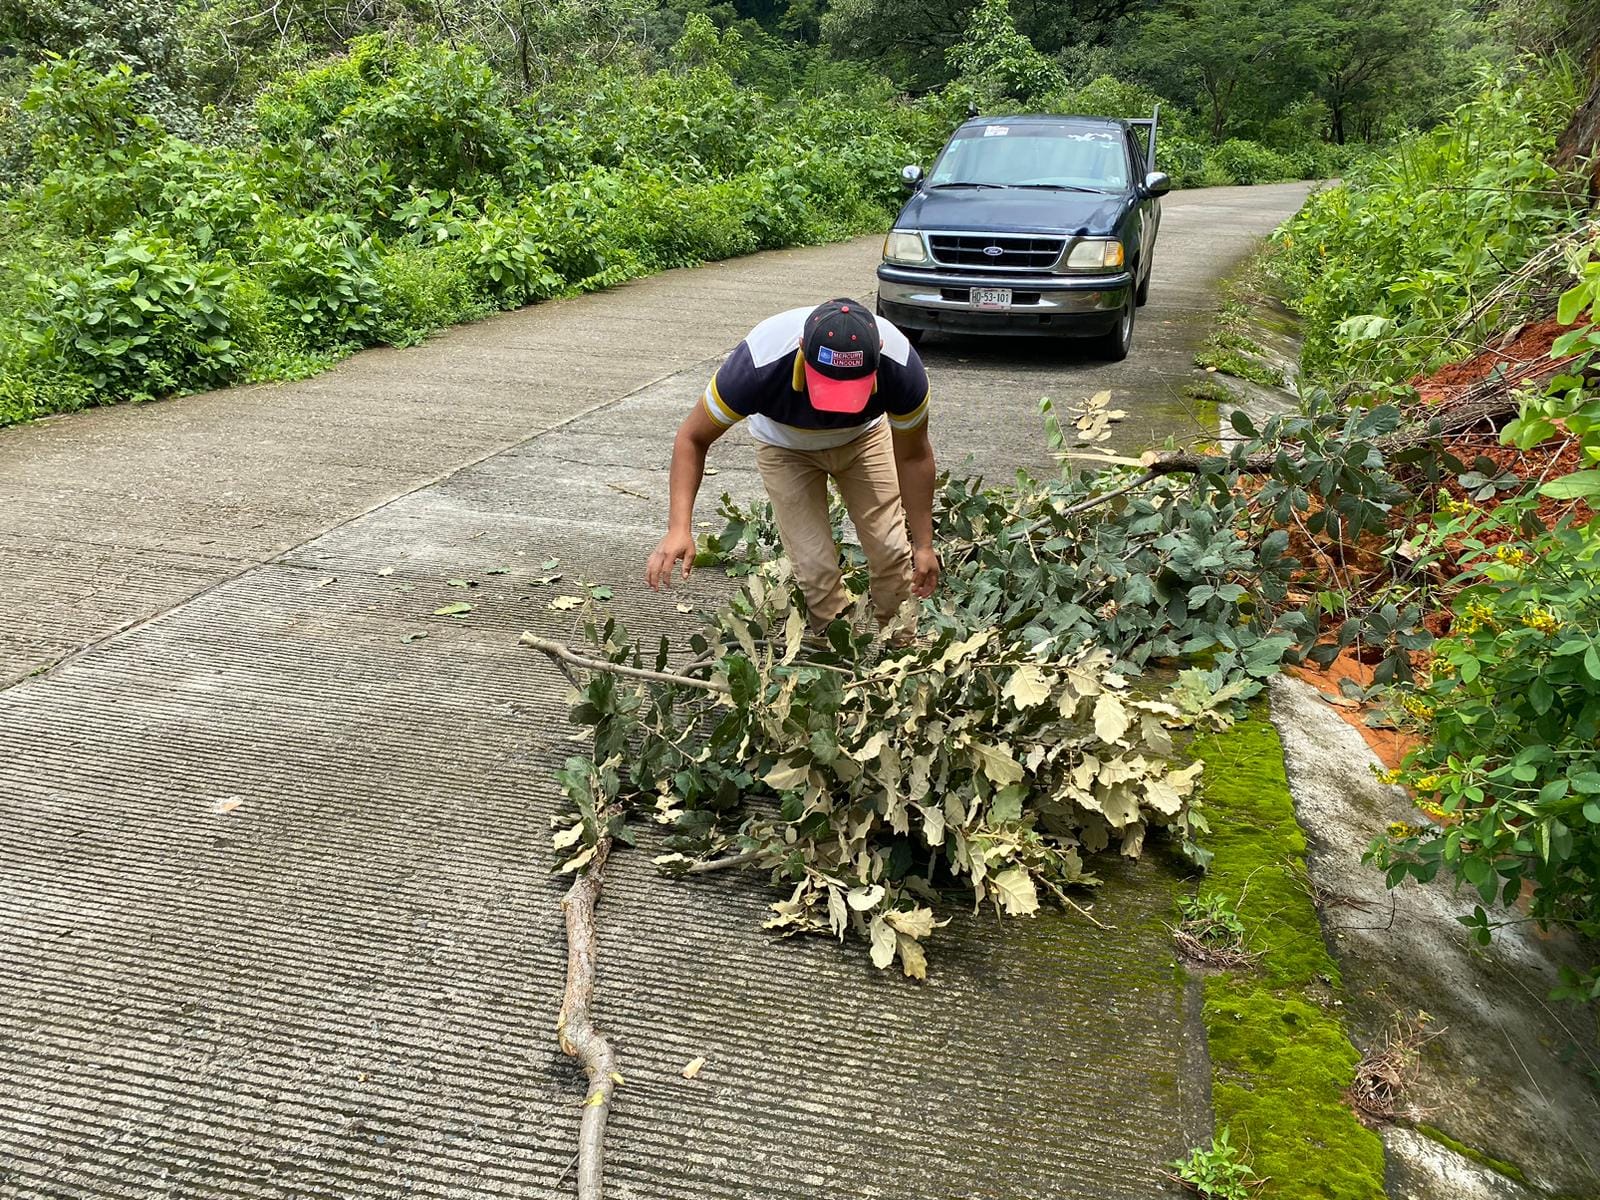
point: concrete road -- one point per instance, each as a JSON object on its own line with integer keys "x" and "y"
{"x": 275, "y": 917}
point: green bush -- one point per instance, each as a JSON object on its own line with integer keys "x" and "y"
{"x": 1249, "y": 162}
{"x": 146, "y": 318}
{"x": 1383, "y": 266}
{"x": 1511, "y": 717}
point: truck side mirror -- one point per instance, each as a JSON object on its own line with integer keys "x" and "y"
{"x": 1157, "y": 183}
{"x": 911, "y": 177}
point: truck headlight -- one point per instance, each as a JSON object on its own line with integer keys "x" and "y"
{"x": 904, "y": 248}
{"x": 1095, "y": 254}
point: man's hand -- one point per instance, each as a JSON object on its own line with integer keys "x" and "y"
{"x": 675, "y": 546}
{"x": 924, "y": 571}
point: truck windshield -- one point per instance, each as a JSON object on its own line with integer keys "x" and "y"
{"x": 1048, "y": 155}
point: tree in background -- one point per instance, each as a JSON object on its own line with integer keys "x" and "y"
{"x": 1220, "y": 52}
{"x": 1366, "y": 53}
{"x": 997, "y": 62}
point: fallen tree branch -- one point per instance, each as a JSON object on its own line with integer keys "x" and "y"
{"x": 578, "y": 1036}
{"x": 562, "y": 655}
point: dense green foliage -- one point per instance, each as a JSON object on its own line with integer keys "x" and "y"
{"x": 1383, "y": 267}
{"x": 389, "y": 192}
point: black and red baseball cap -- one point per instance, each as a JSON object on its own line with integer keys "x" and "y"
{"x": 841, "y": 345}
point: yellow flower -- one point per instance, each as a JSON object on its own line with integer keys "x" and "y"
{"x": 1512, "y": 555}
{"x": 1428, "y": 783}
{"x": 1458, "y": 508}
{"x": 1541, "y": 619}
{"x": 1399, "y": 829}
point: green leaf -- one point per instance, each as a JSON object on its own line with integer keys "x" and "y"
{"x": 1591, "y": 662}
{"x": 1580, "y": 485}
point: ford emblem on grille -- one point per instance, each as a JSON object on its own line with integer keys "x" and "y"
{"x": 993, "y": 251}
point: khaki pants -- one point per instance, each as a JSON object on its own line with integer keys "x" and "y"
{"x": 864, "y": 471}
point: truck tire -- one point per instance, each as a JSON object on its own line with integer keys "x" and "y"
{"x": 914, "y": 336}
{"x": 1114, "y": 345}
{"x": 1142, "y": 296}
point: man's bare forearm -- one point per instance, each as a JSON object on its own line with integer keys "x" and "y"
{"x": 688, "y": 469}
{"x": 916, "y": 470}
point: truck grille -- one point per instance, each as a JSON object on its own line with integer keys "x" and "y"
{"x": 973, "y": 251}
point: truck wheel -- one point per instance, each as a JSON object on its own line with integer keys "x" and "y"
{"x": 1114, "y": 346}
{"x": 914, "y": 336}
{"x": 1142, "y": 296}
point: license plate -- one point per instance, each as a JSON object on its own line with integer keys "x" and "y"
{"x": 991, "y": 298}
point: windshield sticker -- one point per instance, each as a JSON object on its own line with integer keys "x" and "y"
{"x": 996, "y": 130}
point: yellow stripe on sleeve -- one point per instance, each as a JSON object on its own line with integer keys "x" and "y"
{"x": 911, "y": 419}
{"x": 717, "y": 409}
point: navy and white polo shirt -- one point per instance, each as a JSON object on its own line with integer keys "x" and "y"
{"x": 764, "y": 380}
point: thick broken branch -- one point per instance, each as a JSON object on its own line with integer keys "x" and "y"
{"x": 579, "y": 1038}
{"x": 562, "y": 655}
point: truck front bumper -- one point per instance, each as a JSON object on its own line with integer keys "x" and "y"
{"x": 1041, "y": 305}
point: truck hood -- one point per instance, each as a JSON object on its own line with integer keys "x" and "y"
{"x": 987, "y": 210}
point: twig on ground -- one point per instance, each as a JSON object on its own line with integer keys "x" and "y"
{"x": 560, "y": 654}
{"x": 578, "y": 1036}
{"x": 724, "y": 864}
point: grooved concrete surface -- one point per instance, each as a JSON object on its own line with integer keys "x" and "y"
{"x": 275, "y": 917}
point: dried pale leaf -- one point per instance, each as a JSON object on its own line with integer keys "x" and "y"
{"x": 578, "y": 861}
{"x": 1110, "y": 718}
{"x": 458, "y": 609}
{"x": 863, "y": 898}
{"x": 884, "y": 942}
{"x": 386, "y": 571}
{"x": 228, "y": 805}
{"x": 686, "y": 608}
{"x": 1014, "y": 889}
{"x": 415, "y": 637}
{"x": 616, "y": 1078}
{"x": 913, "y": 958}
{"x": 567, "y": 837}
{"x": 565, "y": 603}
{"x": 793, "y": 633}
{"x": 918, "y": 923}
{"x": 692, "y": 1067}
{"x": 838, "y": 916}
{"x": 785, "y": 776}
{"x": 1027, "y": 687}
{"x": 999, "y": 766}
{"x": 322, "y": 583}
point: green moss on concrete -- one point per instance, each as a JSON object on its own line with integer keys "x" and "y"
{"x": 1509, "y": 1170}
{"x": 1281, "y": 1059}
{"x": 1255, "y": 837}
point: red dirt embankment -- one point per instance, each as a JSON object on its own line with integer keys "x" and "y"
{"x": 1525, "y": 357}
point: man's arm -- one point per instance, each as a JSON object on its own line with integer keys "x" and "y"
{"x": 913, "y": 460}
{"x": 689, "y": 448}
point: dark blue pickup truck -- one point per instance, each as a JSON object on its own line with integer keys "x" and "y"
{"x": 1042, "y": 225}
